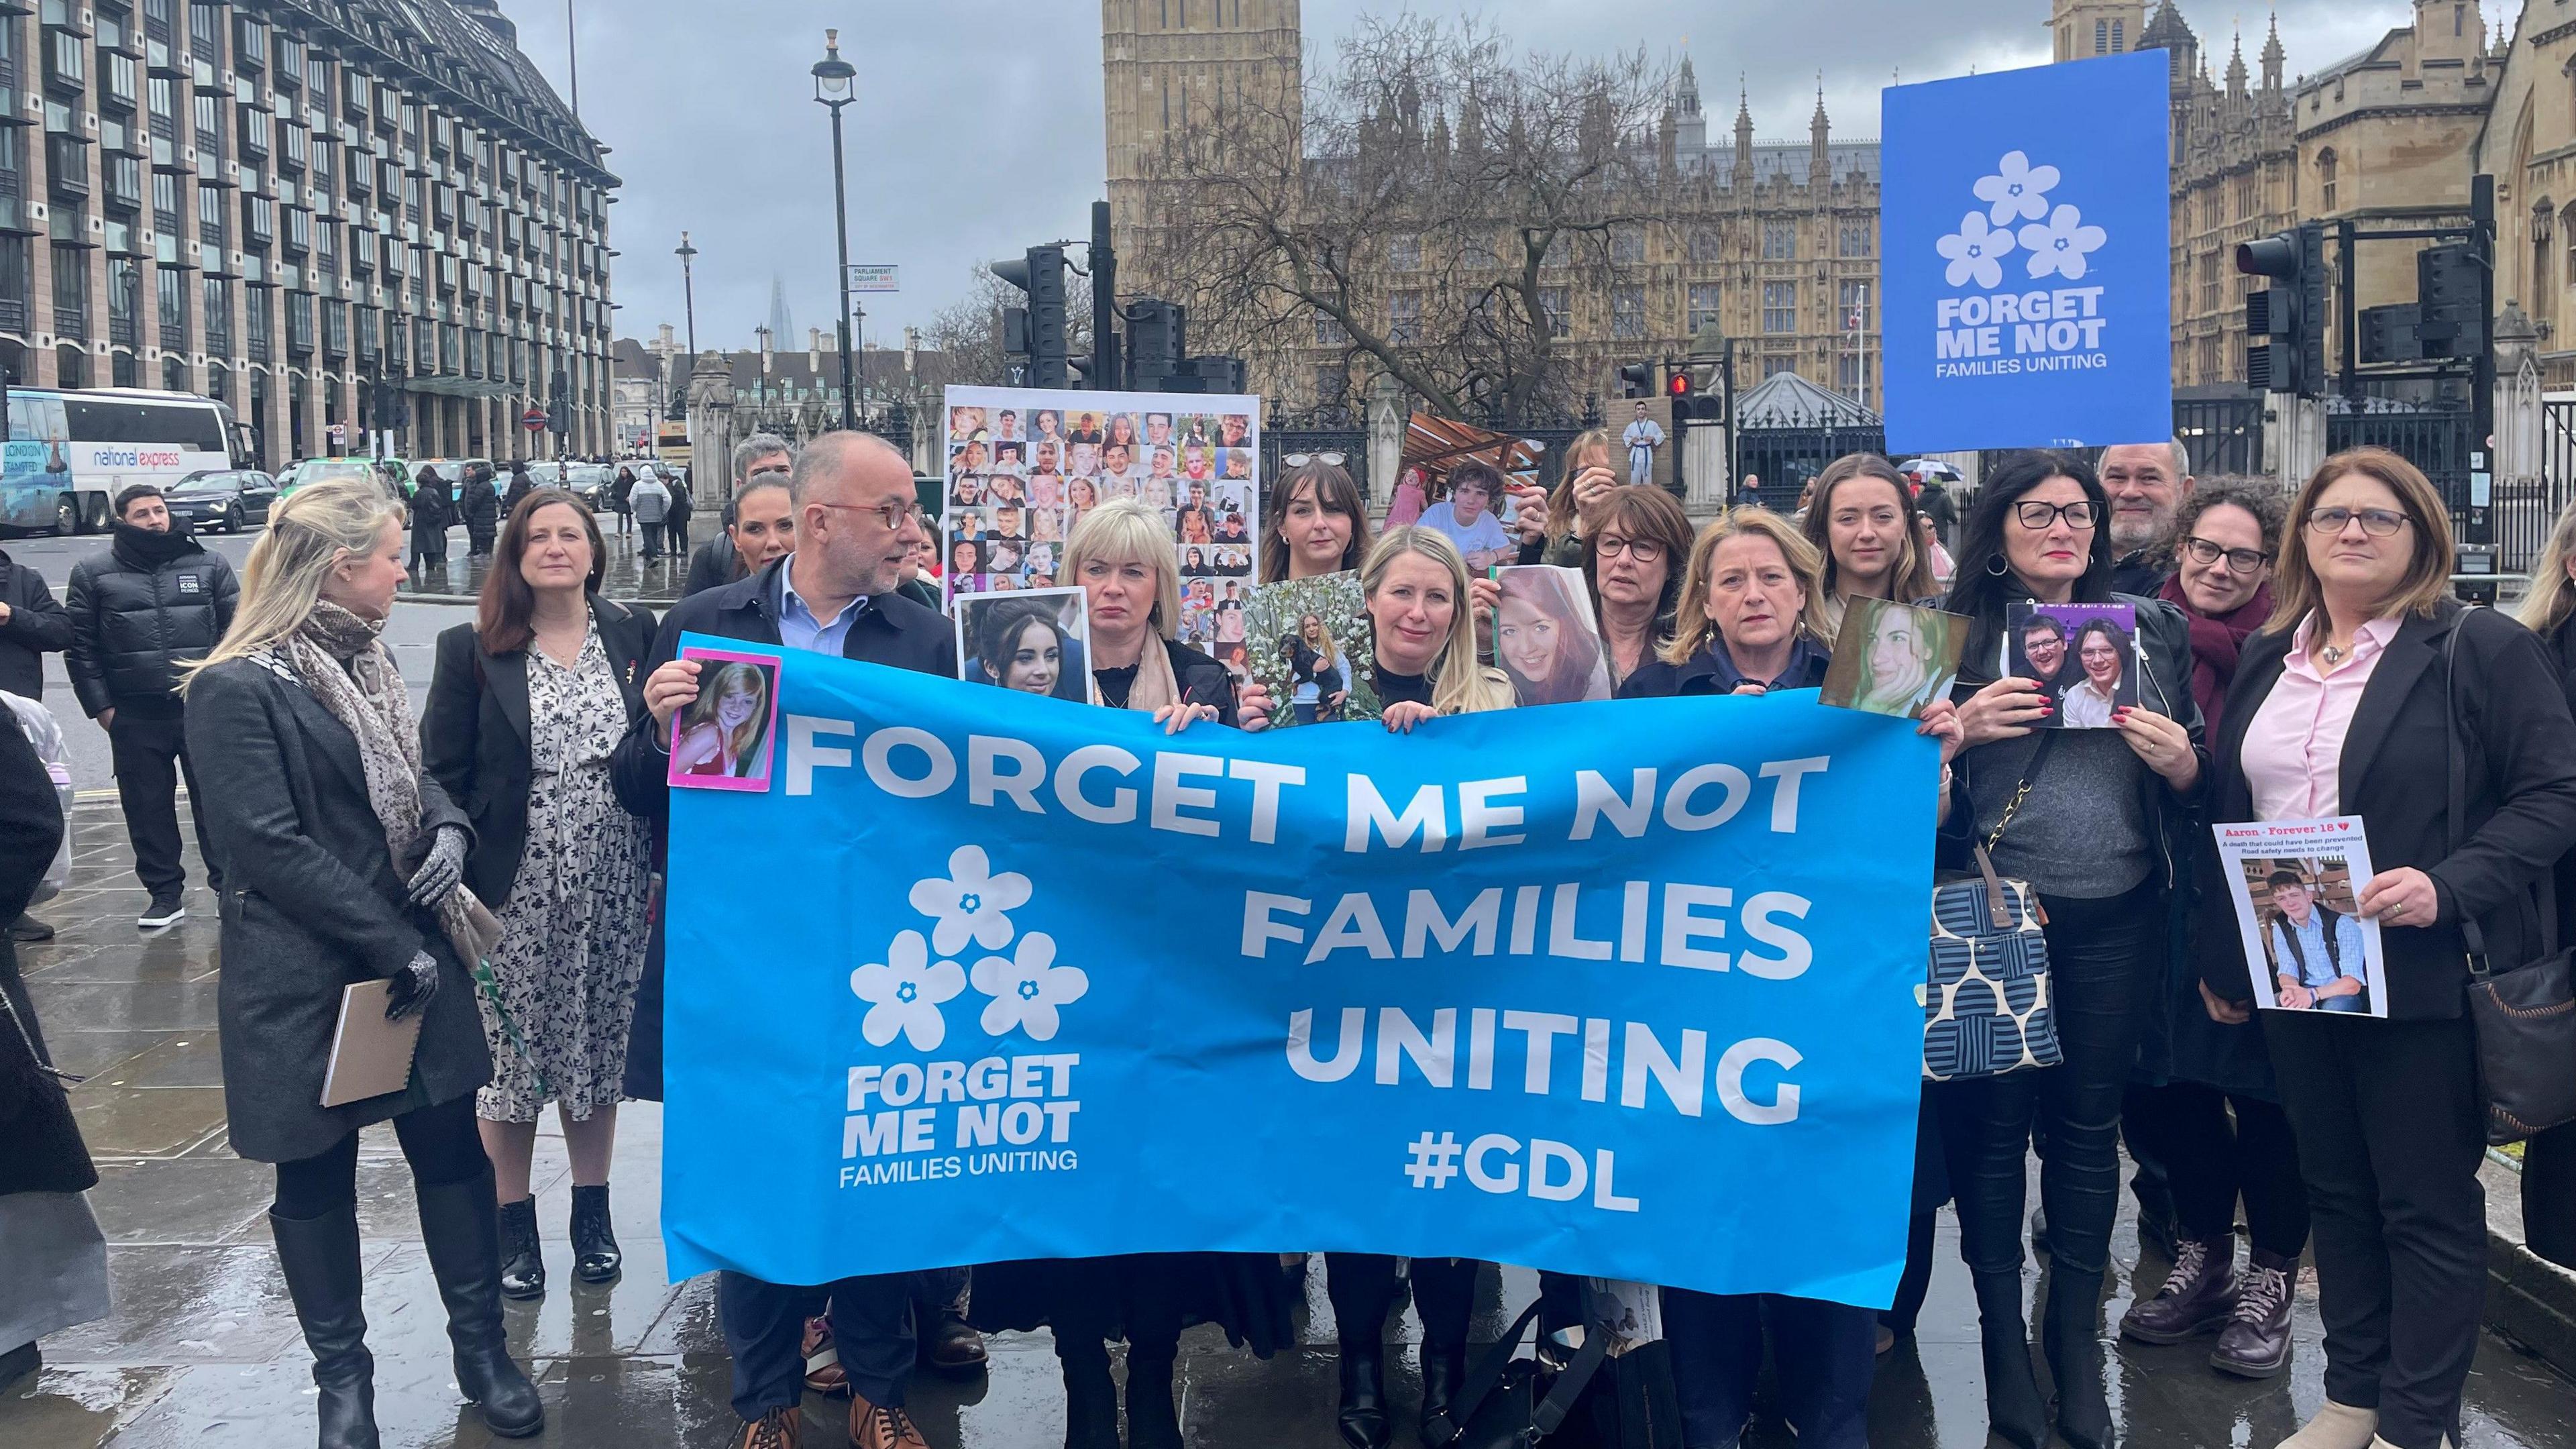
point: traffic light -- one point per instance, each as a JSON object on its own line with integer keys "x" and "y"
{"x": 1677, "y": 388}
{"x": 1636, "y": 379}
{"x": 1037, "y": 331}
{"x": 2285, "y": 324}
{"x": 559, "y": 411}
{"x": 2452, "y": 319}
{"x": 1157, "y": 334}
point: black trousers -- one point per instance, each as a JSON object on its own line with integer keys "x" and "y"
{"x": 441, "y": 1143}
{"x": 2217, "y": 1147}
{"x": 2105, "y": 960}
{"x": 764, "y": 1330}
{"x": 676, "y": 531}
{"x": 1362, "y": 1288}
{"x": 150, "y": 753}
{"x": 2549, "y": 1195}
{"x": 2390, "y": 1138}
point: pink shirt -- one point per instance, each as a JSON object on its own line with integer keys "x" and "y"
{"x": 2293, "y": 754}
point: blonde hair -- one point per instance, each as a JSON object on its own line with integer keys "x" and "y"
{"x": 2295, "y": 590}
{"x": 2553, "y": 595}
{"x": 1459, "y": 685}
{"x": 310, "y": 532}
{"x": 1129, "y": 530}
{"x": 1560, "y": 504}
{"x": 1694, "y": 627}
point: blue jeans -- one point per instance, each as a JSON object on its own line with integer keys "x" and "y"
{"x": 1824, "y": 1353}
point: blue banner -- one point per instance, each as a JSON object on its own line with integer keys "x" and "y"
{"x": 1623, "y": 989}
{"x": 2025, "y": 257}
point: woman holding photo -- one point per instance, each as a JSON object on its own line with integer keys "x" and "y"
{"x": 2207, "y": 1107}
{"x": 1587, "y": 483}
{"x": 2083, "y": 815}
{"x": 2345, "y": 705}
{"x": 720, "y": 733}
{"x": 1864, "y": 524}
{"x": 1632, "y": 560}
{"x": 2101, "y": 652}
{"x": 1751, "y": 587}
{"x": 1318, "y": 524}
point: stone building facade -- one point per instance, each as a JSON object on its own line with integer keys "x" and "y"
{"x": 1773, "y": 242}
{"x": 2529, "y": 145}
{"x": 277, "y": 202}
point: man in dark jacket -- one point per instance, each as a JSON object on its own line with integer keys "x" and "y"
{"x": 2147, "y": 483}
{"x": 150, "y": 603}
{"x": 521, "y": 485}
{"x": 480, "y": 507}
{"x": 836, "y": 595}
{"x": 31, "y": 624}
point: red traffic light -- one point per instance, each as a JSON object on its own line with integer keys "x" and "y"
{"x": 1678, "y": 385}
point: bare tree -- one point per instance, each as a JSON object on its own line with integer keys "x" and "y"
{"x": 1431, "y": 204}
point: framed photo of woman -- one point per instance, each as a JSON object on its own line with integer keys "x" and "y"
{"x": 723, "y": 739}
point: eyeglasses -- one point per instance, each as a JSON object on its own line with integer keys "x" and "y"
{"x": 2377, "y": 522}
{"x": 2036, "y": 516}
{"x": 890, "y": 516}
{"x": 1643, "y": 550}
{"x": 1300, "y": 460}
{"x": 2239, "y": 560}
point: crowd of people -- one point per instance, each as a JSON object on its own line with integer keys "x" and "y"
{"x": 498, "y": 863}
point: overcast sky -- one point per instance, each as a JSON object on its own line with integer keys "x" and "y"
{"x": 977, "y": 129}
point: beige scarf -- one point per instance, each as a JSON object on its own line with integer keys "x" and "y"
{"x": 1155, "y": 686}
{"x": 338, "y": 657}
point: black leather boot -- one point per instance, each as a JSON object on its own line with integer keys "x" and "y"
{"x": 1363, "y": 1420}
{"x": 2014, "y": 1409}
{"x": 596, "y": 1257}
{"x": 523, "y": 1258}
{"x": 1090, "y": 1396}
{"x": 460, "y": 1227}
{"x": 2074, "y": 1348}
{"x": 2255, "y": 1344}
{"x": 1444, "y": 1369}
{"x": 2198, "y": 1296}
{"x": 1153, "y": 1419}
{"x": 320, "y": 1256}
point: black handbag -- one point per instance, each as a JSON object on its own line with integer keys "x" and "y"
{"x": 2525, "y": 1016}
{"x": 1510, "y": 1402}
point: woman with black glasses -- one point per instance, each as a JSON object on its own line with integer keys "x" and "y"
{"x": 1634, "y": 546}
{"x": 2083, "y": 816}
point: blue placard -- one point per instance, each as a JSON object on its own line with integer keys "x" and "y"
{"x": 2025, "y": 257}
{"x": 1623, "y": 989}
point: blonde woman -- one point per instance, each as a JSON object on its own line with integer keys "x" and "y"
{"x": 1572, "y": 508}
{"x": 1747, "y": 618}
{"x": 2549, "y": 1160}
{"x": 345, "y": 861}
{"x": 720, "y": 733}
{"x": 1315, "y": 662}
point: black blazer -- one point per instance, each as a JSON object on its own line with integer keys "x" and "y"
{"x": 474, "y": 734}
{"x": 2520, "y": 747}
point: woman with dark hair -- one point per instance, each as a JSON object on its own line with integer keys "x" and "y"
{"x": 1863, "y": 521}
{"x": 525, "y": 705}
{"x": 2084, "y": 816}
{"x": 720, "y": 732}
{"x": 2349, "y": 702}
{"x": 1632, "y": 560}
{"x": 1022, "y": 644}
{"x": 433, "y": 512}
{"x": 1318, "y": 524}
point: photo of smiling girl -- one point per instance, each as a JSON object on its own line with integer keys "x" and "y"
{"x": 722, "y": 739}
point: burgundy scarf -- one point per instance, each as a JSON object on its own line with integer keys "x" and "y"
{"x": 2215, "y": 642}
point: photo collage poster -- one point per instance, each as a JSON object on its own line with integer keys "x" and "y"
{"x": 1025, "y": 465}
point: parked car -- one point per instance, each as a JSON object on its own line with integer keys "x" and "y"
{"x": 320, "y": 470}
{"x": 224, "y": 501}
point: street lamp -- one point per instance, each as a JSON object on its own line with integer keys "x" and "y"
{"x": 689, "y": 290}
{"x": 834, "y": 88}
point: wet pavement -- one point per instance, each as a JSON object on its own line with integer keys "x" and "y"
{"x": 203, "y": 1350}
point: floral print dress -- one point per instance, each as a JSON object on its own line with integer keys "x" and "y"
{"x": 573, "y": 929}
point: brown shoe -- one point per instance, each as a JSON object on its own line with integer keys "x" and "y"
{"x": 823, "y": 1372}
{"x": 951, "y": 1348}
{"x": 879, "y": 1426}
{"x": 777, "y": 1429}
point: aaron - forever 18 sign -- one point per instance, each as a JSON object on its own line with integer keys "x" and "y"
{"x": 2024, "y": 255}
{"x": 1624, "y": 989}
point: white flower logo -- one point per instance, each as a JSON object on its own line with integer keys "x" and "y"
{"x": 904, "y": 992}
{"x": 1977, "y": 251}
{"x": 1027, "y": 988}
{"x": 971, "y": 903}
{"x": 2018, "y": 191}
{"x": 2060, "y": 244}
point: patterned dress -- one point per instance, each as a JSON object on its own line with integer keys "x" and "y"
{"x": 573, "y": 930}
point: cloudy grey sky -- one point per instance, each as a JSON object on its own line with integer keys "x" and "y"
{"x": 977, "y": 129}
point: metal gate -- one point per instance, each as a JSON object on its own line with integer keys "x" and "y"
{"x": 2436, "y": 440}
{"x": 1786, "y": 458}
{"x": 2526, "y": 509}
{"x": 1332, "y": 431}
{"x": 2224, "y": 435}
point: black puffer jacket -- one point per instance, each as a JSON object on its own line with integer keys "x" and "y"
{"x": 139, "y": 610}
{"x": 36, "y": 624}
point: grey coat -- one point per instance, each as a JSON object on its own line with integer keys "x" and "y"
{"x": 313, "y": 903}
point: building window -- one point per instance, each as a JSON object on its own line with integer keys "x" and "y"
{"x": 219, "y": 316}
{"x": 1855, "y": 237}
{"x": 14, "y": 259}
{"x": 2119, "y": 36}
{"x": 1780, "y": 307}
{"x": 172, "y": 286}
{"x": 2101, "y": 37}
{"x": 1847, "y": 372}
{"x": 1627, "y": 243}
{"x": 1329, "y": 331}
{"x": 2209, "y": 207}
{"x": 1404, "y": 319}
{"x": 1553, "y": 305}
{"x": 1477, "y": 254}
{"x": 1404, "y": 252}
{"x": 1704, "y": 299}
{"x": 1853, "y": 314}
{"x": 1707, "y": 244}
{"x": 2244, "y": 198}
{"x": 1627, "y": 313}
{"x": 1777, "y": 364}
{"x": 2209, "y": 282}
{"x": 2326, "y": 178}
{"x": 1779, "y": 241}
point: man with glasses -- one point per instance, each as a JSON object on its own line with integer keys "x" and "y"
{"x": 2147, "y": 483}
{"x": 857, "y": 521}
{"x": 760, "y": 458}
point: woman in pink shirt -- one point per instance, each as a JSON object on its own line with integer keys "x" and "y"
{"x": 2341, "y": 706}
